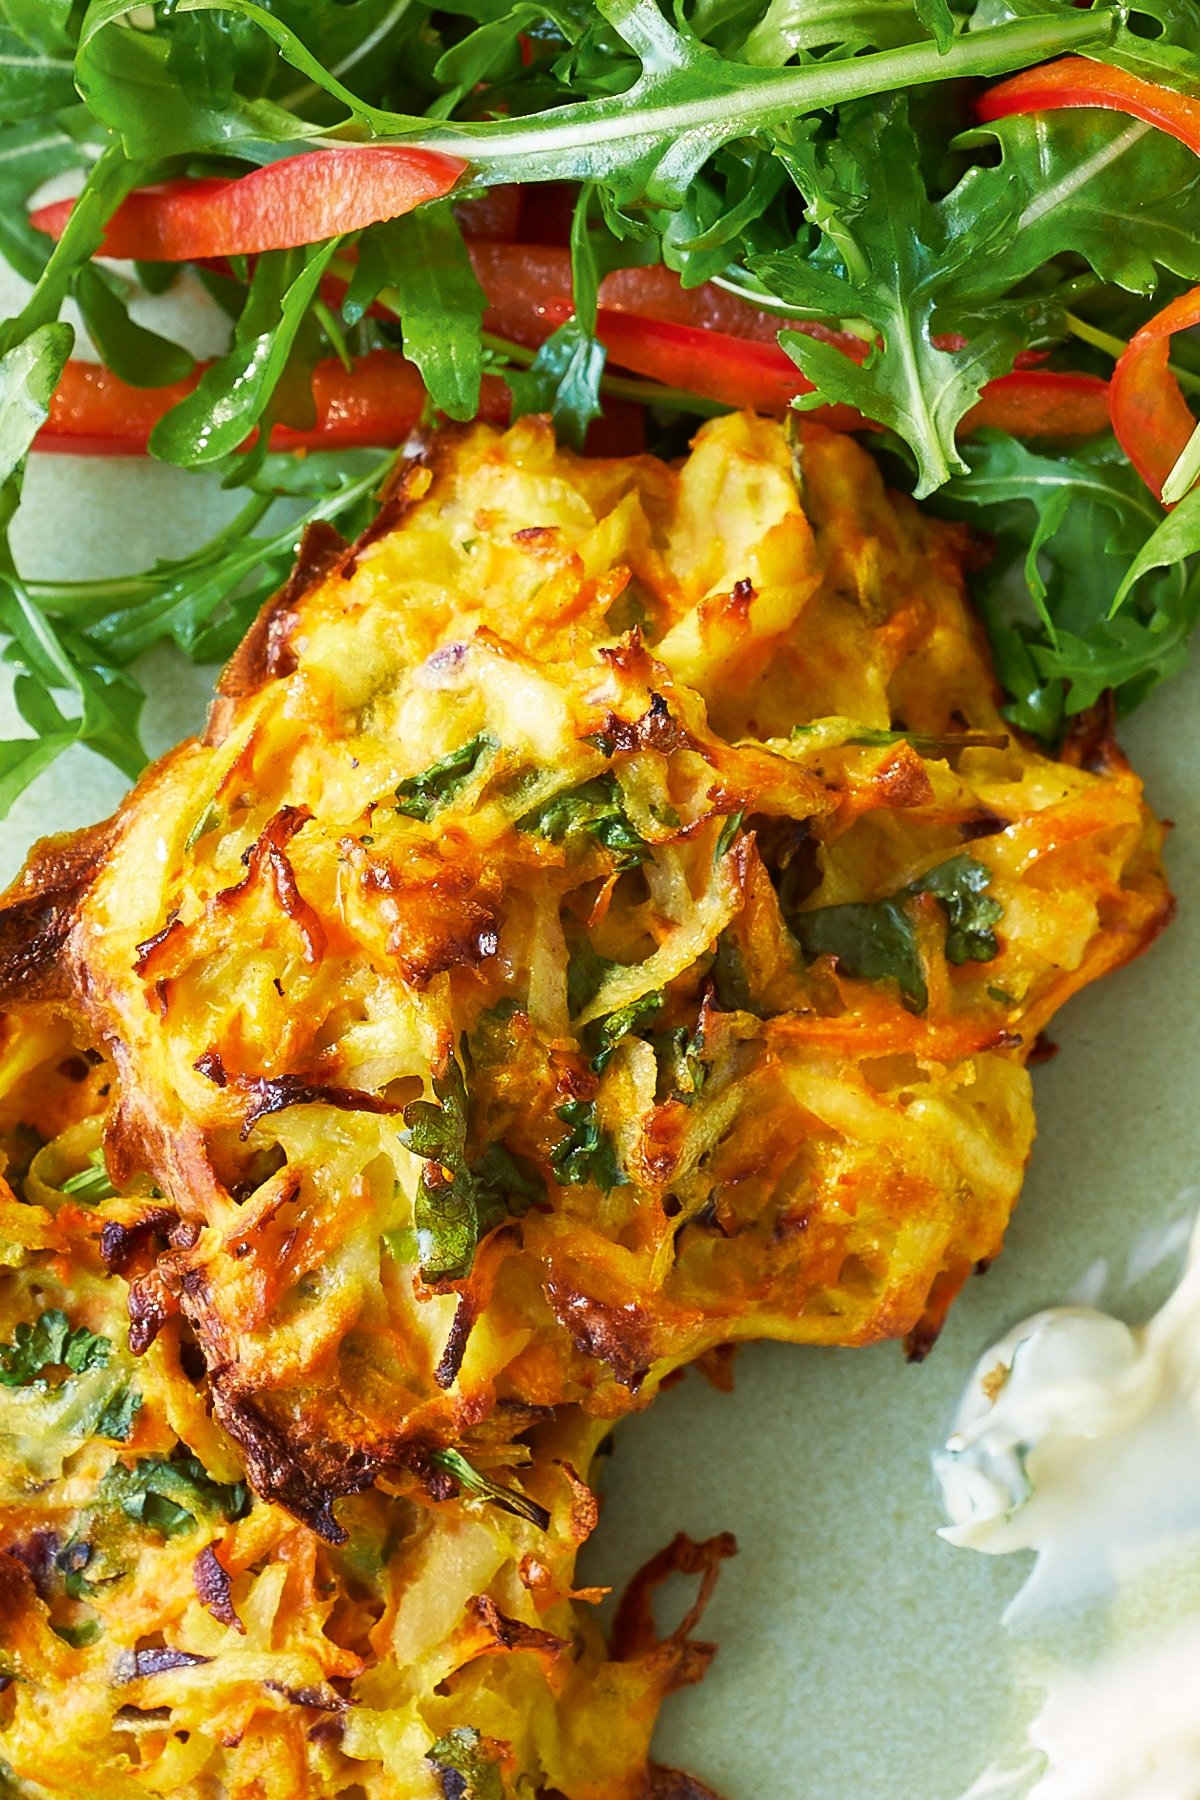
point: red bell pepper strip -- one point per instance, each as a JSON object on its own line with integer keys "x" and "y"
{"x": 1150, "y": 416}
{"x": 1074, "y": 81}
{"x": 92, "y": 413}
{"x": 1029, "y": 402}
{"x": 734, "y": 371}
{"x": 495, "y": 213}
{"x": 529, "y": 292}
{"x": 300, "y": 200}
{"x": 1042, "y": 403}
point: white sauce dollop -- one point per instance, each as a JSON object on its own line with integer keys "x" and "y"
{"x": 1079, "y": 1438}
{"x": 1128, "y": 1730}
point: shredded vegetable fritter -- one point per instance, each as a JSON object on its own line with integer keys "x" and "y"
{"x": 605, "y": 919}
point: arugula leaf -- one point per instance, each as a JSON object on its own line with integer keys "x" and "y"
{"x": 473, "y": 1482}
{"x": 564, "y": 377}
{"x": 29, "y": 374}
{"x": 1116, "y": 191}
{"x": 562, "y": 380}
{"x": 937, "y": 19}
{"x": 171, "y": 1496}
{"x": 34, "y": 77}
{"x": 791, "y": 27}
{"x": 132, "y": 86}
{"x": 32, "y": 152}
{"x": 595, "y": 810}
{"x": 42, "y": 24}
{"x": 645, "y": 143}
{"x": 423, "y": 258}
{"x": 877, "y": 940}
{"x": 1078, "y": 525}
{"x": 138, "y": 356}
{"x": 422, "y": 796}
{"x": 461, "y": 1755}
{"x": 234, "y": 393}
{"x": 867, "y": 195}
{"x": 586, "y": 1153}
{"x": 110, "y": 178}
{"x": 51, "y": 1342}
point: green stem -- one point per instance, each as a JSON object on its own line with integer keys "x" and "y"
{"x": 1114, "y": 346}
{"x": 1185, "y": 473}
{"x": 570, "y": 140}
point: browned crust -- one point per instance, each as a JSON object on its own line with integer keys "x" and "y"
{"x": 38, "y": 913}
{"x": 634, "y": 1634}
{"x": 672, "y": 1784}
{"x": 210, "y": 1578}
{"x": 265, "y": 653}
{"x": 306, "y": 1484}
{"x": 1091, "y": 740}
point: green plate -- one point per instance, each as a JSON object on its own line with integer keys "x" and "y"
{"x": 861, "y": 1658}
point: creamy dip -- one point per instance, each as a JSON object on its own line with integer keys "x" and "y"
{"x": 1078, "y": 1438}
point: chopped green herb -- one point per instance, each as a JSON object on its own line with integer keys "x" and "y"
{"x": 961, "y": 886}
{"x": 603, "y": 1035}
{"x": 117, "y": 1419}
{"x": 729, "y": 831}
{"x": 90, "y": 1184}
{"x": 461, "y": 1754}
{"x": 457, "y": 1204}
{"x": 79, "y": 1636}
{"x": 595, "y": 810}
{"x": 469, "y": 1479}
{"x": 682, "y": 1070}
{"x": 204, "y": 824}
{"x": 421, "y": 796}
{"x": 171, "y": 1496}
{"x": 877, "y": 940}
{"x": 928, "y": 743}
{"x": 586, "y": 968}
{"x": 51, "y": 1342}
{"x": 731, "y": 982}
{"x": 587, "y": 1153}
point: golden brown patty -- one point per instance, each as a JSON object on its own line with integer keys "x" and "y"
{"x": 606, "y": 918}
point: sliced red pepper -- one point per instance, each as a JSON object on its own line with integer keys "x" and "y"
{"x": 495, "y": 213}
{"x": 376, "y": 405}
{"x": 92, "y": 413}
{"x": 1042, "y": 403}
{"x": 1074, "y": 81}
{"x": 300, "y": 200}
{"x": 1029, "y": 402}
{"x": 529, "y": 292}
{"x": 734, "y": 371}
{"x": 1150, "y": 416}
